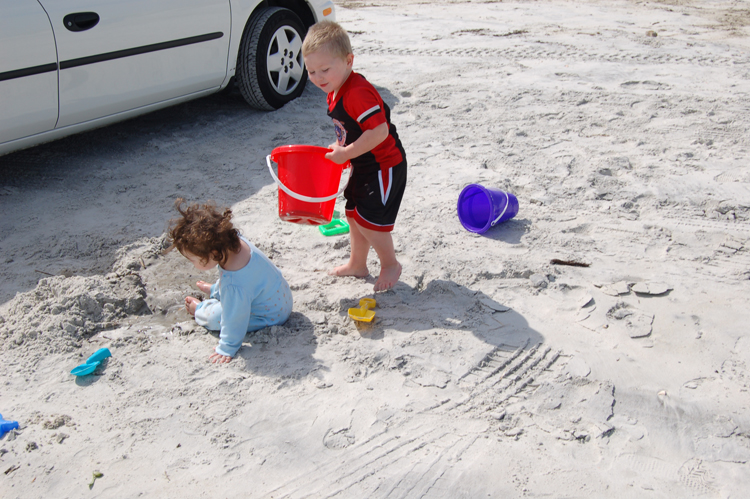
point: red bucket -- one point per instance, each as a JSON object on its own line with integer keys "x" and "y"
{"x": 308, "y": 183}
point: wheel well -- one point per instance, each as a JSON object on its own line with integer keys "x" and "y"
{"x": 299, "y": 7}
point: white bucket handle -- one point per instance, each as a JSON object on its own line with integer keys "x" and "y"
{"x": 307, "y": 199}
{"x": 507, "y": 202}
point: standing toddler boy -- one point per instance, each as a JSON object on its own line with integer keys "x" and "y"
{"x": 366, "y": 137}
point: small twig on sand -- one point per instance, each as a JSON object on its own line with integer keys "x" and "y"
{"x": 514, "y": 32}
{"x": 555, "y": 261}
{"x": 45, "y": 273}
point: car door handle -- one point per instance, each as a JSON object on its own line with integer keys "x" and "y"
{"x": 81, "y": 21}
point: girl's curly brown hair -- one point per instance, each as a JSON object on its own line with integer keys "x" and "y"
{"x": 204, "y": 232}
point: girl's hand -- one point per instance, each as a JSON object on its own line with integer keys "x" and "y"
{"x": 204, "y": 286}
{"x": 217, "y": 358}
{"x": 338, "y": 154}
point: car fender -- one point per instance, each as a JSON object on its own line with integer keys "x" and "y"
{"x": 243, "y": 10}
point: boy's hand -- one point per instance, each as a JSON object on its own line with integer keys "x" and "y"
{"x": 366, "y": 142}
{"x": 217, "y": 358}
{"x": 338, "y": 154}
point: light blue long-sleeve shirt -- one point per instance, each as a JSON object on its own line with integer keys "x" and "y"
{"x": 254, "y": 297}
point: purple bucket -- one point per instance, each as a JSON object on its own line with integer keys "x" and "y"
{"x": 480, "y": 208}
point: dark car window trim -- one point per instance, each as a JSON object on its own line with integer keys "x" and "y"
{"x": 118, "y": 54}
{"x": 36, "y": 70}
{"x": 83, "y": 61}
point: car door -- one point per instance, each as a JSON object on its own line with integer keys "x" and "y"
{"x": 28, "y": 70}
{"x": 118, "y": 55}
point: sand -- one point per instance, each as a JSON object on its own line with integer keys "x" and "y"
{"x": 622, "y": 128}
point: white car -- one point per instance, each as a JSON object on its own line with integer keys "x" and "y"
{"x": 73, "y": 65}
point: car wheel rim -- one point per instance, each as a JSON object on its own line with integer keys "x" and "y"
{"x": 284, "y": 63}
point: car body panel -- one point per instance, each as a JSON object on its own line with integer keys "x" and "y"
{"x": 99, "y": 77}
{"x": 143, "y": 55}
{"x": 28, "y": 82}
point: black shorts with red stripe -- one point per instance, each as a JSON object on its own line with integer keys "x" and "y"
{"x": 373, "y": 199}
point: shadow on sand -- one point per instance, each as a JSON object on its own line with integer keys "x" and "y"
{"x": 445, "y": 305}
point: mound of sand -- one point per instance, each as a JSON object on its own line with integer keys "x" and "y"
{"x": 62, "y": 312}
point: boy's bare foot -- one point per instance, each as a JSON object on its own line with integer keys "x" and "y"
{"x": 388, "y": 277}
{"x": 190, "y": 303}
{"x": 204, "y": 286}
{"x": 348, "y": 270}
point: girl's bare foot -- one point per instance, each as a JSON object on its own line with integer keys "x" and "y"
{"x": 204, "y": 286}
{"x": 388, "y": 277}
{"x": 190, "y": 303}
{"x": 350, "y": 270}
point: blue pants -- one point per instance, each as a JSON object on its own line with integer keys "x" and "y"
{"x": 208, "y": 315}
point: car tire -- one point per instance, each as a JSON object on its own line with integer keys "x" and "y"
{"x": 268, "y": 77}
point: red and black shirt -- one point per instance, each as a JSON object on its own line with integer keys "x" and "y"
{"x": 358, "y": 107}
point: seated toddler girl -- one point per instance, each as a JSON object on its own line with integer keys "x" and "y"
{"x": 250, "y": 293}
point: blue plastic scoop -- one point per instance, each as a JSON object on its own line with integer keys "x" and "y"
{"x": 85, "y": 369}
{"x": 99, "y": 355}
{"x": 92, "y": 362}
{"x": 6, "y": 425}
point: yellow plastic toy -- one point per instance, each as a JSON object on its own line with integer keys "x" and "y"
{"x": 363, "y": 313}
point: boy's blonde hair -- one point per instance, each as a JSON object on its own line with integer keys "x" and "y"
{"x": 327, "y": 35}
